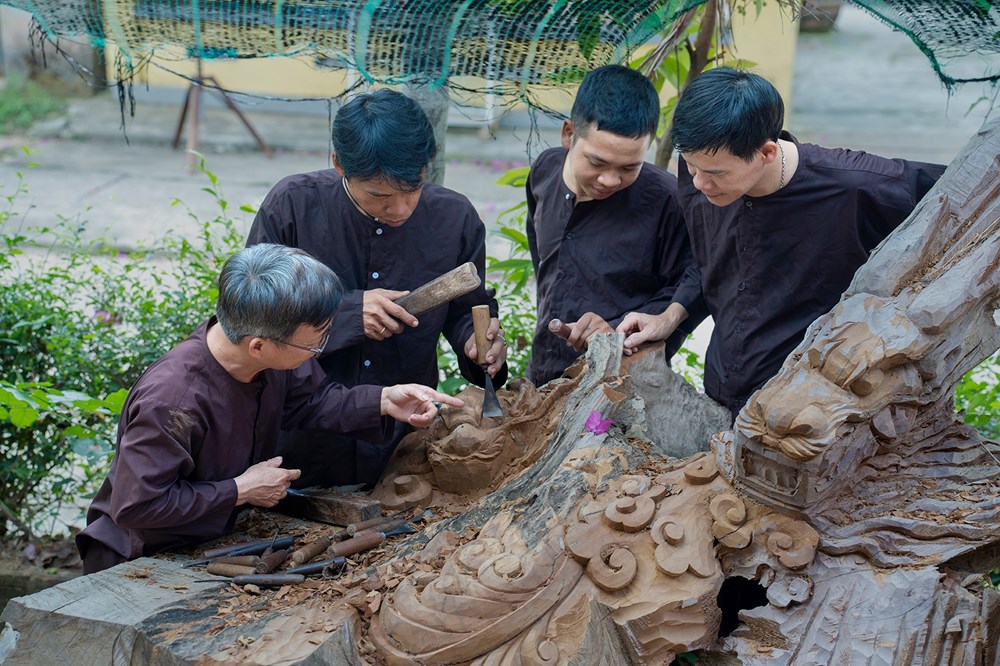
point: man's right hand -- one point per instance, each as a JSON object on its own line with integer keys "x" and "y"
{"x": 382, "y": 317}
{"x": 644, "y": 327}
{"x": 264, "y": 484}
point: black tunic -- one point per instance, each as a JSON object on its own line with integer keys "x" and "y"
{"x": 767, "y": 267}
{"x": 312, "y": 211}
{"x": 611, "y": 256}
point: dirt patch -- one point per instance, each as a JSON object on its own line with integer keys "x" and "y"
{"x": 28, "y": 568}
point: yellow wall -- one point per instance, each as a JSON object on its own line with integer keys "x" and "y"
{"x": 768, "y": 41}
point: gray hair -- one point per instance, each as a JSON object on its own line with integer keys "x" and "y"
{"x": 268, "y": 291}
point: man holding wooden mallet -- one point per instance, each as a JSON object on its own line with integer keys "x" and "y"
{"x": 384, "y": 231}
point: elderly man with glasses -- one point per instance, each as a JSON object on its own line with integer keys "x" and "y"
{"x": 198, "y": 435}
{"x": 375, "y": 221}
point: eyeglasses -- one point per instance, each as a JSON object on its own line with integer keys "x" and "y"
{"x": 316, "y": 351}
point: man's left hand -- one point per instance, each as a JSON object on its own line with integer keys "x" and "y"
{"x": 584, "y": 327}
{"x": 497, "y": 354}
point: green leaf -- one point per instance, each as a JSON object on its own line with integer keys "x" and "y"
{"x": 515, "y": 177}
{"x": 116, "y": 401}
{"x": 23, "y": 417}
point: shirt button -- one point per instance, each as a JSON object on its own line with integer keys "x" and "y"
{"x": 749, "y": 204}
{"x": 569, "y": 235}
{"x": 378, "y": 232}
{"x": 568, "y": 196}
{"x": 368, "y": 363}
{"x": 734, "y": 367}
{"x": 375, "y": 275}
{"x": 739, "y": 328}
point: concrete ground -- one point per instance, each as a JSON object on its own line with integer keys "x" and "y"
{"x": 861, "y": 86}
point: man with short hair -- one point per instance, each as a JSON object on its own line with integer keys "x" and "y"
{"x": 198, "y": 434}
{"x": 604, "y": 229}
{"x": 778, "y": 227}
{"x": 384, "y": 231}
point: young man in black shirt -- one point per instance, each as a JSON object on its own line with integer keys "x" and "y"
{"x": 777, "y": 227}
{"x": 604, "y": 228}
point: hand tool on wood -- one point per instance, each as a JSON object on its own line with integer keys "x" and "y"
{"x": 480, "y": 325}
{"x": 456, "y": 282}
{"x": 334, "y": 563}
{"x": 366, "y": 541}
{"x": 354, "y": 528}
{"x": 560, "y": 328}
{"x": 271, "y": 562}
{"x": 270, "y": 579}
{"x": 240, "y": 560}
{"x": 319, "y": 546}
{"x": 250, "y": 548}
{"x": 230, "y": 570}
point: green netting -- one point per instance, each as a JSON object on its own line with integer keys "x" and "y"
{"x": 516, "y": 45}
{"x": 961, "y": 37}
{"x": 513, "y": 42}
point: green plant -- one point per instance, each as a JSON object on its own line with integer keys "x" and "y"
{"x": 23, "y": 101}
{"x": 81, "y": 321}
{"x": 977, "y": 397}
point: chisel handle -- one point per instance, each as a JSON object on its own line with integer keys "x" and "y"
{"x": 480, "y": 326}
{"x": 272, "y": 561}
{"x": 241, "y": 560}
{"x": 357, "y": 544}
{"x": 269, "y": 579}
{"x": 229, "y": 570}
{"x": 560, "y": 328}
{"x": 311, "y": 550}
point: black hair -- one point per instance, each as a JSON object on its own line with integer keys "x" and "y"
{"x": 726, "y": 108}
{"x": 384, "y": 134}
{"x": 618, "y": 100}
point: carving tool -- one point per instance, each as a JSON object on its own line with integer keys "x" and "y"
{"x": 480, "y": 325}
{"x": 321, "y": 566}
{"x": 456, "y": 282}
{"x": 251, "y": 548}
{"x": 318, "y": 547}
{"x": 271, "y": 562}
{"x": 560, "y": 328}
{"x": 366, "y": 541}
{"x": 229, "y": 570}
{"x": 269, "y": 580}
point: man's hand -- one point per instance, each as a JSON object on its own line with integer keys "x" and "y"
{"x": 382, "y": 317}
{"x": 584, "y": 327}
{"x": 414, "y": 403}
{"x": 497, "y": 354}
{"x": 648, "y": 328}
{"x": 265, "y": 483}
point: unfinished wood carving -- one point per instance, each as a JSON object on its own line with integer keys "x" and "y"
{"x": 848, "y": 497}
{"x": 848, "y": 468}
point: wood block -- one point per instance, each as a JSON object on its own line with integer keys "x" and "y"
{"x": 327, "y": 505}
{"x": 151, "y": 611}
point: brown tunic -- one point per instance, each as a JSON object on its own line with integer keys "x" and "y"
{"x": 312, "y": 212}
{"x": 187, "y": 430}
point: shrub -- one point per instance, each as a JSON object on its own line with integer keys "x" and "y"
{"x": 81, "y": 321}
